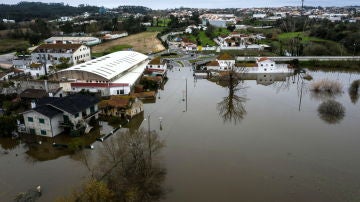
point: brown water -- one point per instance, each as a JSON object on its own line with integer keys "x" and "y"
{"x": 280, "y": 150}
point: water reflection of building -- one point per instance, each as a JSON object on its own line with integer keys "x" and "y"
{"x": 267, "y": 78}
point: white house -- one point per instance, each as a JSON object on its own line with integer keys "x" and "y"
{"x": 52, "y": 115}
{"x": 53, "y": 54}
{"x": 157, "y": 66}
{"x": 223, "y": 62}
{"x": 263, "y": 65}
{"x": 266, "y": 65}
{"x": 113, "y": 74}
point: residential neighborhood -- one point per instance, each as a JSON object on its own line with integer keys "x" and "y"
{"x": 127, "y": 102}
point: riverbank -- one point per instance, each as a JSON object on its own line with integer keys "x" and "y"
{"x": 344, "y": 65}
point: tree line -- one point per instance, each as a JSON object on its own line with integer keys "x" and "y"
{"x": 26, "y": 11}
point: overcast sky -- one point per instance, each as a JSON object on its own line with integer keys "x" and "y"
{"x": 161, "y": 4}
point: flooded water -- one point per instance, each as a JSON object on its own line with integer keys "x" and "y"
{"x": 271, "y": 146}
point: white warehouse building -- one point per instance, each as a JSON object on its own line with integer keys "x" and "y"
{"x": 113, "y": 74}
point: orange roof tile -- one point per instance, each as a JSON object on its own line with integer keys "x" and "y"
{"x": 213, "y": 63}
{"x": 156, "y": 61}
{"x": 262, "y": 59}
{"x": 225, "y": 56}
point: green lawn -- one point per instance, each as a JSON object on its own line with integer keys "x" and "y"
{"x": 305, "y": 38}
{"x": 221, "y": 31}
{"x": 205, "y": 40}
{"x": 163, "y": 22}
{"x": 10, "y": 45}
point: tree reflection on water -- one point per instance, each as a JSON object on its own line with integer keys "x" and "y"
{"x": 331, "y": 111}
{"x": 354, "y": 91}
{"x": 232, "y": 108}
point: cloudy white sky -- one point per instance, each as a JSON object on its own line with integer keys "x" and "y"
{"x": 161, "y": 4}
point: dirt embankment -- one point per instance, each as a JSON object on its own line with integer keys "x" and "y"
{"x": 145, "y": 42}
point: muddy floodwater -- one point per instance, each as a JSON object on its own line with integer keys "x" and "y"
{"x": 260, "y": 141}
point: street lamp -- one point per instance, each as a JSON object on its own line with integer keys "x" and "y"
{"x": 160, "y": 120}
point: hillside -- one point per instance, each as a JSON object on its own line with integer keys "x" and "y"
{"x": 24, "y": 11}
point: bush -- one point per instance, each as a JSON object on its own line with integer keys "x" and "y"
{"x": 331, "y": 111}
{"x": 114, "y": 120}
{"x": 327, "y": 86}
{"x": 354, "y": 91}
{"x": 308, "y": 77}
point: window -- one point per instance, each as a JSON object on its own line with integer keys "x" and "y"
{"x": 32, "y": 131}
{"x": 92, "y": 109}
{"x": 76, "y": 115}
{"x": 41, "y": 120}
{"x": 43, "y": 132}
{"x": 30, "y": 119}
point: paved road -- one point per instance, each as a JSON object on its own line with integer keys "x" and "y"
{"x": 304, "y": 58}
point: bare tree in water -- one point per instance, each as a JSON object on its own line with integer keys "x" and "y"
{"x": 128, "y": 164}
{"x": 232, "y": 108}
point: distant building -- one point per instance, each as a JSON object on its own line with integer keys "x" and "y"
{"x": 8, "y": 21}
{"x": 89, "y": 41}
{"x": 259, "y": 15}
{"x": 218, "y": 20}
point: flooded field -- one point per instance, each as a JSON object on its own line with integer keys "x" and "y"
{"x": 260, "y": 140}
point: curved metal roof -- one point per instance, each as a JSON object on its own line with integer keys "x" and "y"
{"x": 111, "y": 65}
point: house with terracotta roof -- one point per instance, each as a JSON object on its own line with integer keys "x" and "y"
{"x": 222, "y": 63}
{"x": 265, "y": 64}
{"x": 157, "y": 66}
{"x": 53, "y": 54}
{"x": 226, "y": 62}
{"x": 121, "y": 106}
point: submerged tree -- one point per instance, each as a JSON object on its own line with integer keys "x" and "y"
{"x": 354, "y": 91}
{"x": 231, "y": 108}
{"x": 331, "y": 111}
{"x": 129, "y": 167}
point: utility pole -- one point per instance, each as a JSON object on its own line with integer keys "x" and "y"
{"x": 186, "y": 94}
{"x": 149, "y": 138}
{"x": 302, "y": 7}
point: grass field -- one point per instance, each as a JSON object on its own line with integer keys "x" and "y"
{"x": 10, "y": 45}
{"x": 145, "y": 42}
{"x": 205, "y": 40}
{"x": 163, "y": 22}
{"x": 221, "y": 31}
{"x": 155, "y": 29}
{"x": 305, "y": 38}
